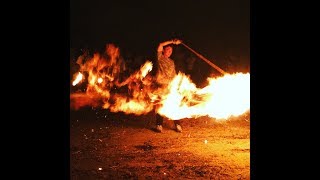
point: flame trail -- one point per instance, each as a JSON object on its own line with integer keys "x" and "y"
{"x": 138, "y": 94}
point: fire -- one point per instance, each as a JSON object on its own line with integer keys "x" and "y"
{"x": 222, "y": 98}
{"x": 146, "y": 68}
{"x": 103, "y": 80}
{"x": 78, "y": 78}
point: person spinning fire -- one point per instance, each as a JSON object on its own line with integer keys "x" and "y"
{"x": 165, "y": 74}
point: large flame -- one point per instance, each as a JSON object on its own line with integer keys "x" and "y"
{"x": 138, "y": 94}
{"x": 224, "y": 97}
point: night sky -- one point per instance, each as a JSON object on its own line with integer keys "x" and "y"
{"x": 214, "y": 29}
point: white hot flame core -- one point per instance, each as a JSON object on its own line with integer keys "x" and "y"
{"x": 78, "y": 79}
{"x": 224, "y": 97}
{"x": 100, "y": 80}
{"x": 146, "y": 68}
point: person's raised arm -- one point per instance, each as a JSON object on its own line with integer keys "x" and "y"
{"x": 174, "y": 41}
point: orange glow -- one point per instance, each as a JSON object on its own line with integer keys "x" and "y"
{"x": 222, "y": 98}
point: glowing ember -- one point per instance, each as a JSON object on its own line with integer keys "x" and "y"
{"x": 78, "y": 79}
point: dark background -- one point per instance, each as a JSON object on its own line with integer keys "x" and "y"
{"x": 218, "y": 30}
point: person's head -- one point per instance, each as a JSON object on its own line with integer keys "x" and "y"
{"x": 167, "y": 51}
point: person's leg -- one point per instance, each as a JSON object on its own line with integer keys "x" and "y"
{"x": 159, "y": 122}
{"x": 159, "y": 119}
{"x": 177, "y": 122}
{"x": 178, "y": 125}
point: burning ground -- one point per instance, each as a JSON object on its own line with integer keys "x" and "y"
{"x": 112, "y": 121}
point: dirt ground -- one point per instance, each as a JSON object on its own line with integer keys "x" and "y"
{"x": 105, "y": 145}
